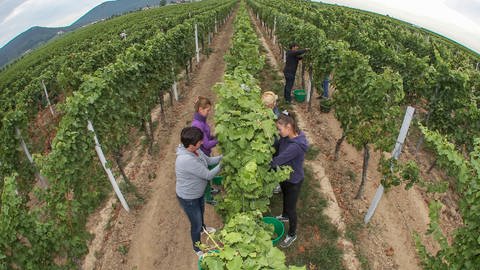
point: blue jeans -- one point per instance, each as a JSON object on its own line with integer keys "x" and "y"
{"x": 194, "y": 208}
{"x": 289, "y": 81}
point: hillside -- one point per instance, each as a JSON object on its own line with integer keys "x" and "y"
{"x": 37, "y": 35}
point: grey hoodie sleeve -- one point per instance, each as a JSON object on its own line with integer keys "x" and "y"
{"x": 203, "y": 172}
{"x": 214, "y": 160}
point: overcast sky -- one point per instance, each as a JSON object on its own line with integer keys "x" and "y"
{"x": 17, "y": 16}
{"x": 458, "y": 20}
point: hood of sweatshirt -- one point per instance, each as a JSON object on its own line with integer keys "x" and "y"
{"x": 181, "y": 151}
{"x": 301, "y": 141}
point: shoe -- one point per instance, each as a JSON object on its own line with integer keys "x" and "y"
{"x": 282, "y": 218}
{"x": 277, "y": 189}
{"x": 209, "y": 230}
{"x": 212, "y": 202}
{"x": 199, "y": 253}
{"x": 214, "y": 191}
{"x": 288, "y": 241}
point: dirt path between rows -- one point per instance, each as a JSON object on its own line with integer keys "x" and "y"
{"x": 387, "y": 242}
{"x": 156, "y": 235}
{"x": 333, "y": 211}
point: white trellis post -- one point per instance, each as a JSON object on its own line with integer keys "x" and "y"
{"x": 196, "y": 44}
{"x": 103, "y": 160}
{"x": 48, "y": 99}
{"x": 174, "y": 86}
{"x": 274, "y": 29}
{"x": 42, "y": 180}
{"x": 309, "y": 85}
{"x": 397, "y": 150}
{"x": 216, "y": 28}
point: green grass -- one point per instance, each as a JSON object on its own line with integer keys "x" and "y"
{"x": 312, "y": 152}
{"x": 316, "y": 245}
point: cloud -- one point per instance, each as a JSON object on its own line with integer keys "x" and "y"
{"x": 446, "y": 17}
{"x": 469, "y": 8}
{"x": 18, "y": 16}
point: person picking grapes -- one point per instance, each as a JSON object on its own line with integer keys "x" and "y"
{"x": 293, "y": 56}
{"x": 291, "y": 149}
{"x": 192, "y": 176}
{"x": 269, "y": 99}
{"x": 202, "y": 107}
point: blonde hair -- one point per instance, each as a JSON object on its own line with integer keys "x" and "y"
{"x": 202, "y": 102}
{"x": 269, "y": 99}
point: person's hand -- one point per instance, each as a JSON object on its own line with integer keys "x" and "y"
{"x": 307, "y": 49}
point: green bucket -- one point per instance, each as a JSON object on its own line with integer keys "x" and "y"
{"x": 278, "y": 228}
{"x": 299, "y": 95}
{"x": 200, "y": 259}
{"x": 217, "y": 180}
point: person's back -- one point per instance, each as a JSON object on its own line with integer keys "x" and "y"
{"x": 189, "y": 185}
{"x": 292, "y": 57}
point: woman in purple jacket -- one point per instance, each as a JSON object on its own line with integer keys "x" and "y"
{"x": 291, "y": 149}
{"x": 203, "y": 106}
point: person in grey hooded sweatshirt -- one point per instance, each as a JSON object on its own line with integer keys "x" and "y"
{"x": 191, "y": 169}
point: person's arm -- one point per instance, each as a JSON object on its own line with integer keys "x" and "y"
{"x": 282, "y": 158}
{"x": 208, "y": 143}
{"x": 299, "y": 52}
{"x": 203, "y": 172}
{"x": 214, "y": 160}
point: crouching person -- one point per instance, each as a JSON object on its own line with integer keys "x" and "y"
{"x": 192, "y": 173}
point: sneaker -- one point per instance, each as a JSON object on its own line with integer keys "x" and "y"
{"x": 288, "y": 241}
{"x": 212, "y": 202}
{"x": 282, "y": 218}
{"x": 209, "y": 230}
{"x": 277, "y": 189}
{"x": 199, "y": 253}
{"x": 214, "y": 191}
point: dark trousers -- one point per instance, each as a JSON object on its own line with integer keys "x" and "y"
{"x": 194, "y": 209}
{"x": 289, "y": 80}
{"x": 290, "y": 193}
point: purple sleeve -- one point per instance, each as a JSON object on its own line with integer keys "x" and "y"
{"x": 284, "y": 157}
{"x": 208, "y": 143}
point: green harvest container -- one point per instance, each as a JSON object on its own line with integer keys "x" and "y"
{"x": 299, "y": 95}
{"x": 217, "y": 180}
{"x": 279, "y": 228}
{"x": 200, "y": 259}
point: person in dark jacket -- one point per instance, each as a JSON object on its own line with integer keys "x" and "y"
{"x": 291, "y": 149}
{"x": 292, "y": 57}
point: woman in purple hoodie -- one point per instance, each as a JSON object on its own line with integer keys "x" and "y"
{"x": 291, "y": 149}
{"x": 203, "y": 106}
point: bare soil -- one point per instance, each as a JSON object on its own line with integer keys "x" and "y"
{"x": 156, "y": 235}
{"x": 387, "y": 241}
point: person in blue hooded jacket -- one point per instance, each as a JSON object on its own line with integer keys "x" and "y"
{"x": 290, "y": 151}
